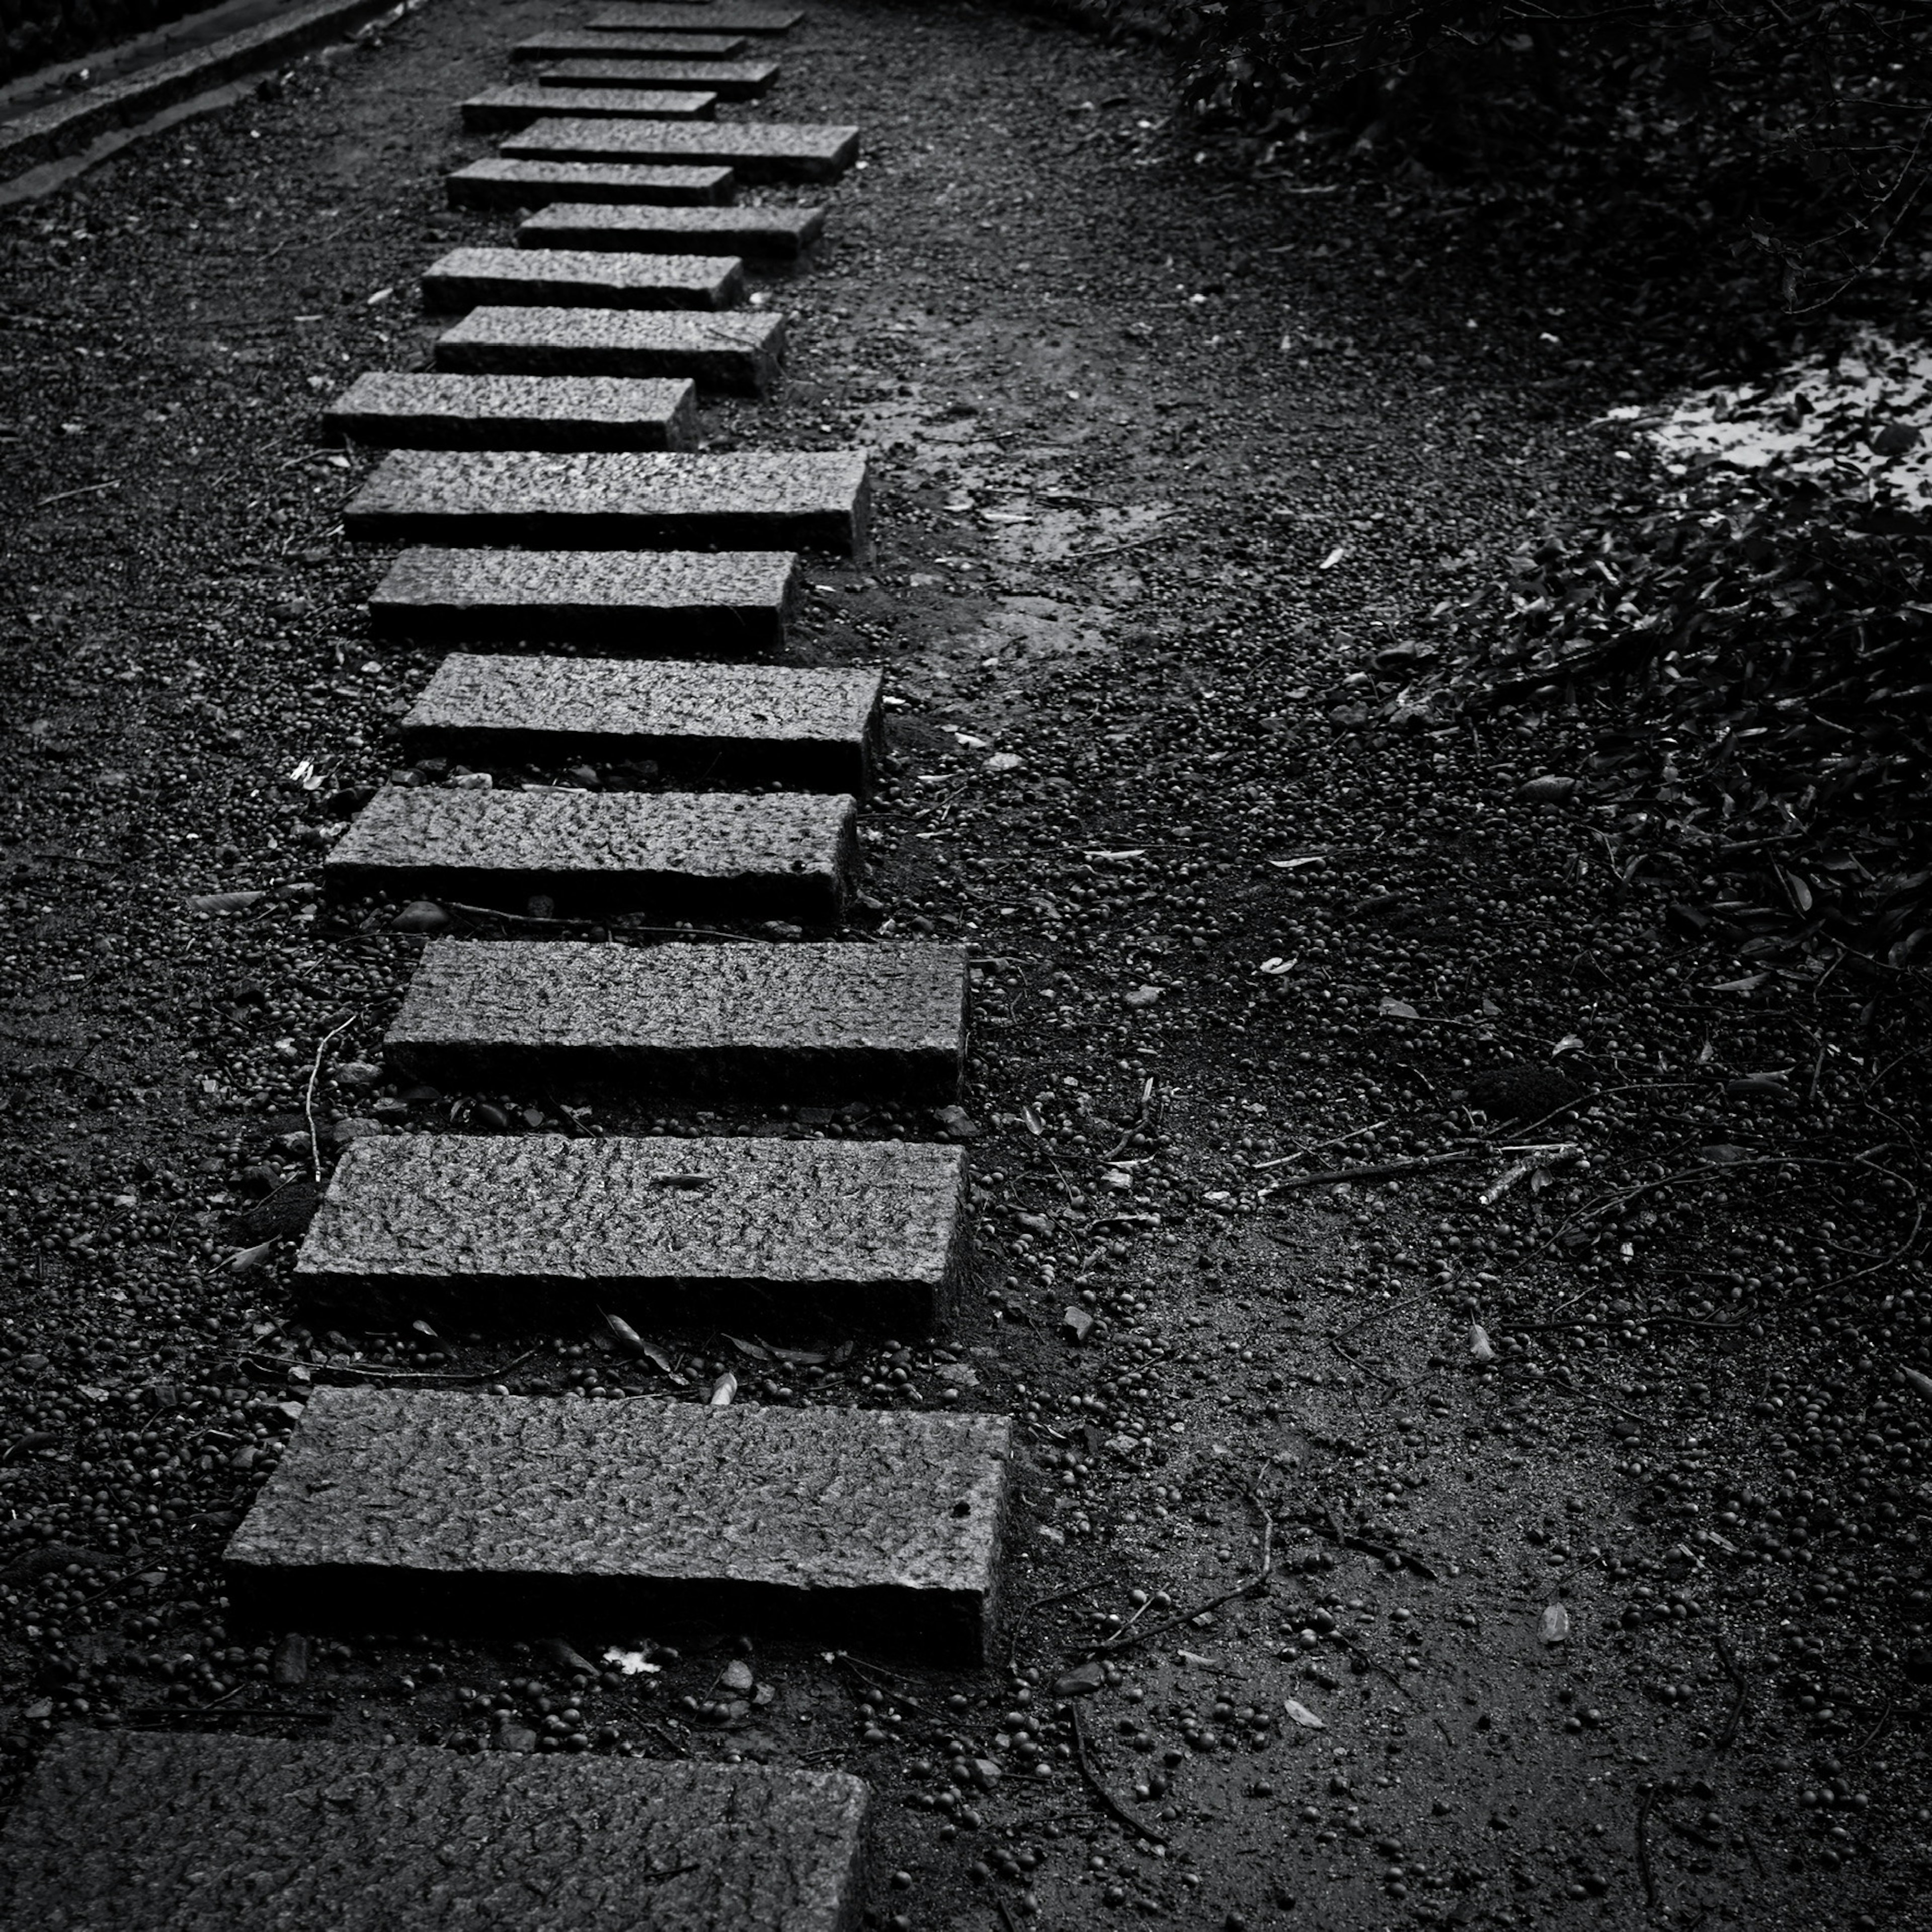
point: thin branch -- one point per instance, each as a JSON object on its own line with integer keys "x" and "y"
{"x": 1092, "y": 1779}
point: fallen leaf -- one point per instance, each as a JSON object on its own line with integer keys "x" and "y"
{"x": 1480, "y": 1348}
{"x": 723, "y": 1391}
{"x": 1571, "y": 1043}
{"x": 757, "y": 1351}
{"x": 1555, "y": 1627}
{"x": 1922, "y": 1383}
{"x": 1300, "y": 1714}
{"x": 1397, "y": 1009}
{"x": 626, "y": 1337}
{"x": 1334, "y": 556}
{"x": 245, "y": 1259}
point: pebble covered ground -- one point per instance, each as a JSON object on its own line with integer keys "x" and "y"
{"x": 1572, "y": 1442}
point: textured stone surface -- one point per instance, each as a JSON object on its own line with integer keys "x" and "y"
{"x": 189, "y": 1833}
{"x": 502, "y": 109}
{"x": 418, "y": 412}
{"x": 749, "y": 499}
{"x": 568, "y": 43}
{"x": 804, "y": 1022}
{"x": 401, "y": 1508}
{"x": 761, "y": 234}
{"x": 574, "y": 278}
{"x": 783, "y": 855}
{"x": 754, "y": 151}
{"x": 740, "y": 354}
{"x": 729, "y": 80}
{"x": 817, "y": 729}
{"x": 713, "y": 17}
{"x": 640, "y": 604}
{"x": 496, "y": 183}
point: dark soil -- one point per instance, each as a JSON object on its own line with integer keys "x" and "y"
{"x": 1170, "y": 462}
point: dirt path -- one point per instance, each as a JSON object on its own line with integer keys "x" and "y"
{"x": 1167, "y": 457}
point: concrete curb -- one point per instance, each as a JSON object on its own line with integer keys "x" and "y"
{"x": 53, "y": 133}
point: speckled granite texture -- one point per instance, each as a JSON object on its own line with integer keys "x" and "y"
{"x": 769, "y": 235}
{"x": 728, "y": 79}
{"x": 393, "y": 410}
{"x": 495, "y": 183}
{"x": 754, "y": 151}
{"x": 466, "y": 278}
{"x": 501, "y": 108}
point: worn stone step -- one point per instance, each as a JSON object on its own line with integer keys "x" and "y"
{"x": 397, "y": 411}
{"x": 754, "y": 151}
{"x": 768, "y": 236}
{"x": 748, "y": 499}
{"x": 739, "y": 355}
{"x": 426, "y": 1508}
{"x": 467, "y": 278}
{"x": 779, "y": 855}
{"x": 715, "y": 17}
{"x": 815, "y": 1023}
{"x": 815, "y": 728}
{"x": 121, "y": 1831}
{"x": 574, "y": 43}
{"x": 504, "y": 108}
{"x": 495, "y": 184}
{"x": 636, "y": 603}
{"x": 728, "y": 80}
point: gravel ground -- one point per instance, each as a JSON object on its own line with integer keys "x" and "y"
{"x": 1589, "y": 1510}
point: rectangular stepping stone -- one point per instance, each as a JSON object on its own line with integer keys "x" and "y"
{"x": 834, "y": 1023}
{"x": 815, "y": 728}
{"x": 739, "y": 355}
{"x": 166, "y": 1832}
{"x": 780, "y": 855}
{"x": 467, "y": 278}
{"x": 715, "y": 17}
{"x": 496, "y": 183}
{"x": 403, "y": 1509}
{"x": 749, "y": 500}
{"x": 639, "y": 603}
{"x": 566, "y": 43}
{"x": 729, "y": 80}
{"x": 424, "y": 411}
{"x": 765, "y": 235}
{"x": 505, "y": 108}
{"x": 754, "y": 151}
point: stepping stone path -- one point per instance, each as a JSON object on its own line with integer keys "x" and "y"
{"x": 393, "y": 410}
{"x": 675, "y": 854}
{"x": 556, "y": 416}
{"x": 504, "y": 108}
{"x": 766, "y": 235}
{"x": 753, "y": 150}
{"x": 403, "y": 1509}
{"x": 819, "y": 1023}
{"x": 467, "y": 278}
{"x": 817, "y": 730}
{"x": 728, "y": 80}
{"x": 631, "y": 603}
{"x": 739, "y": 355}
{"x": 752, "y": 499}
{"x": 156, "y": 1833}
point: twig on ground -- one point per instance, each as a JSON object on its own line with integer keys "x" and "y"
{"x": 1316, "y": 1147}
{"x": 1735, "y": 1715}
{"x": 1091, "y": 1778}
{"x": 67, "y": 496}
{"x": 308, "y": 1096}
{"x": 418, "y": 1375}
{"x": 1383, "y": 1171}
{"x": 1643, "y": 1871}
{"x": 1872, "y": 1736}
{"x": 1121, "y": 1640}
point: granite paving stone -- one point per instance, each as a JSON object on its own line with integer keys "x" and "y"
{"x": 495, "y": 183}
{"x": 641, "y": 604}
{"x": 832, "y": 1023}
{"x": 768, "y": 236}
{"x": 729, "y": 80}
{"x": 715, "y": 17}
{"x": 781, "y": 855}
{"x": 502, "y": 109}
{"x": 468, "y": 278}
{"x": 406, "y": 1509}
{"x": 744, "y": 500}
{"x": 396, "y": 410}
{"x": 754, "y": 151}
{"x": 818, "y": 729}
{"x": 117, "y": 1832}
{"x": 571, "y": 43}
{"x": 740, "y": 354}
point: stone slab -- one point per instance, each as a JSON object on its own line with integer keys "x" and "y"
{"x": 570, "y": 43}
{"x": 729, "y": 80}
{"x": 738, "y": 354}
{"x": 641, "y": 604}
{"x": 155, "y": 1832}
{"x": 467, "y": 278}
{"x": 815, "y": 728}
{"x": 782, "y": 855}
{"x": 495, "y": 183}
{"x": 746, "y": 500}
{"x": 819, "y": 1023}
{"x": 754, "y": 151}
{"x": 504, "y": 108}
{"x": 768, "y": 236}
{"x": 393, "y": 411}
{"x": 408, "y": 1508}
{"x": 715, "y": 17}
